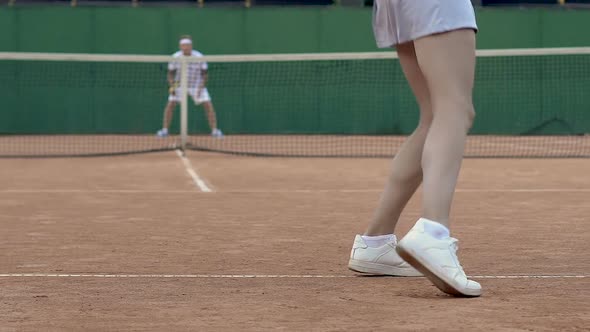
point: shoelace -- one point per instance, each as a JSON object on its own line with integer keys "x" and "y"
{"x": 455, "y": 247}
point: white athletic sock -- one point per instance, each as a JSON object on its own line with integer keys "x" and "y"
{"x": 165, "y": 130}
{"x": 379, "y": 240}
{"x": 435, "y": 229}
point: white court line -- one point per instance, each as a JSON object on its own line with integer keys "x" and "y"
{"x": 271, "y": 191}
{"x": 259, "y": 276}
{"x": 537, "y": 190}
{"x": 475, "y": 190}
{"x": 193, "y": 174}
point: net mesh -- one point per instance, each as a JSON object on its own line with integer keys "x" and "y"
{"x": 529, "y": 103}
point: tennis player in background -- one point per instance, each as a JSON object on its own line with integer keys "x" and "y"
{"x": 435, "y": 41}
{"x": 197, "y": 87}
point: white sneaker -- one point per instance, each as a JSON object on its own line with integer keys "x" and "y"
{"x": 437, "y": 259}
{"x": 379, "y": 261}
{"x": 162, "y": 133}
{"x": 216, "y": 133}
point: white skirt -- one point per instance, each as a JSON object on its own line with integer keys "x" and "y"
{"x": 400, "y": 21}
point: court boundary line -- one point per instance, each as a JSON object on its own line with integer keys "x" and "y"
{"x": 271, "y": 191}
{"x": 188, "y": 166}
{"x": 258, "y": 276}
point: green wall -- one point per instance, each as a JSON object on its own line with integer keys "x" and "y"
{"x": 261, "y": 30}
{"x": 512, "y": 96}
{"x": 155, "y": 30}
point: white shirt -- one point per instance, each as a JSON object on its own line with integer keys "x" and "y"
{"x": 195, "y": 69}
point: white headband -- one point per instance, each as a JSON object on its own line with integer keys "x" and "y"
{"x": 186, "y": 41}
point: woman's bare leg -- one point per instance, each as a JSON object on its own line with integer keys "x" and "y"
{"x": 406, "y": 171}
{"x": 447, "y": 61}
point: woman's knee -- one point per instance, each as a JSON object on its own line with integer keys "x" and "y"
{"x": 468, "y": 112}
{"x": 457, "y": 112}
{"x": 470, "y": 116}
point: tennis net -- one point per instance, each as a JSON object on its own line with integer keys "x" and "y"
{"x": 529, "y": 103}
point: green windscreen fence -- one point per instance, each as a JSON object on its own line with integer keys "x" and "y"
{"x": 529, "y": 103}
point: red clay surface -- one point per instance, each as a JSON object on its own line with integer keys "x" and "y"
{"x": 143, "y": 215}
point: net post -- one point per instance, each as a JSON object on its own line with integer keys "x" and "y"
{"x": 183, "y": 102}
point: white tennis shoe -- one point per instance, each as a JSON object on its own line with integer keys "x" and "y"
{"x": 437, "y": 259}
{"x": 162, "y": 133}
{"x": 217, "y": 133}
{"x": 379, "y": 261}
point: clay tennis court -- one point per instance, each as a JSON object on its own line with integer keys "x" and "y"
{"x": 133, "y": 243}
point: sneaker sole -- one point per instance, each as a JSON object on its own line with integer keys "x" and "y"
{"x": 380, "y": 269}
{"x": 437, "y": 280}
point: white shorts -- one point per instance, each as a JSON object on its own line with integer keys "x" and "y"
{"x": 204, "y": 97}
{"x": 400, "y": 21}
